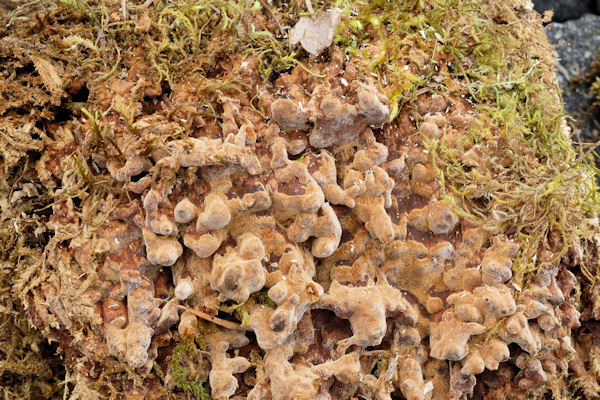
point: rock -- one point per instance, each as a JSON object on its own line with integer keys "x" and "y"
{"x": 565, "y": 9}
{"x": 577, "y": 47}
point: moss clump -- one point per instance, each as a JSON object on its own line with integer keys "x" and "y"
{"x": 239, "y": 309}
{"x": 590, "y": 81}
{"x": 185, "y": 353}
{"x": 545, "y": 185}
{"x": 262, "y": 297}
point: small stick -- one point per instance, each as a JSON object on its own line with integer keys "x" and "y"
{"x": 563, "y": 71}
{"x": 265, "y": 5}
{"x": 215, "y": 320}
{"x": 146, "y": 4}
{"x": 124, "y": 9}
{"x": 310, "y": 7}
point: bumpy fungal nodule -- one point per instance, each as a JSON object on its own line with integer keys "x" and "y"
{"x": 350, "y": 219}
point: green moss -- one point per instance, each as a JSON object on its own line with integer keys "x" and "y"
{"x": 240, "y": 309}
{"x": 595, "y": 90}
{"x": 100, "y": 135}
{"x": 182, "y": 375}
{"x": 83, "y": 170}
{"x": 262, "y": 297}
{"x": 377, "y": 34}
{"x": 382, "y": 364}
{"x": 80, "y": 7}
{"x": 546, "y": 185}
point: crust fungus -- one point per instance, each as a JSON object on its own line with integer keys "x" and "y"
{"x": 385, "y": 225}
{"x": 367, "y": 308}
{"x": 221, "y": 378}
{"x": 293, "y": 292}
{"x": 239, "y": 272}
{"x": 206, "y": 235}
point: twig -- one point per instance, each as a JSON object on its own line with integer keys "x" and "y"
{"x": 124, "y": 9}
{"x": 309, "y": 6}
{"x": 146, "y": 4}
{"x": 265, "y": 5}
{"x": 215, "y": 320}
{"x": 563, "y": 71}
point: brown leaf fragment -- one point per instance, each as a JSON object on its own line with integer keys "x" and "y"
{"x": 48, "y": 73}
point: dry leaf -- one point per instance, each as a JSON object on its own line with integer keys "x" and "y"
{"x": 48, "y": 73}
{"x": 74, "y": 40}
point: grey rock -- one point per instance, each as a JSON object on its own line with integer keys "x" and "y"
{"x": 578, "y": 45}
{"x": 566, "y": 9}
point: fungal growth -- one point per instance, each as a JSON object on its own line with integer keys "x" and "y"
{"x": 293, "y": 200}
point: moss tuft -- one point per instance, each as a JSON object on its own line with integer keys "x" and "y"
{"x": 182, "y": 376}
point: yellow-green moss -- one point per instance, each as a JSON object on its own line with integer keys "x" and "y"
{"x": 183, "y": 376}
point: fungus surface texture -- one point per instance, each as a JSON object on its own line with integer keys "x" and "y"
{"x": 326, "y": 199}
